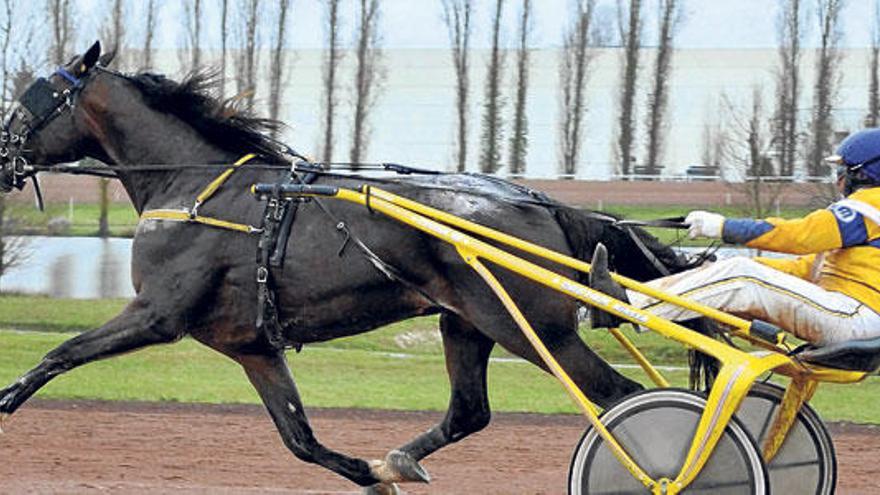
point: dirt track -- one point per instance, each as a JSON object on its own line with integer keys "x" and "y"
{"x": 96, "y": 447}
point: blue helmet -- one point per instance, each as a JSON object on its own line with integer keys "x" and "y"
{"x": 859, "y": 157}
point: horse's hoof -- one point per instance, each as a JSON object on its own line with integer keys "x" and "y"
{"x": 398, "y": 467}
{"x": 382, "y": 489}
{"x": 3, "y": 419}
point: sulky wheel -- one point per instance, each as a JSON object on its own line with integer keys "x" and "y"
{"x": 656, "y": 428}
{"x": 806, "y": 463}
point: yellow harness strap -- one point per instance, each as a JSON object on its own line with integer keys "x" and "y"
{"x": 192, "y": 216}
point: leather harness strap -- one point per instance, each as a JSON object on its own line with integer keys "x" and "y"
{"x": 192, "y": 215}
{"x": 277, "y": 220}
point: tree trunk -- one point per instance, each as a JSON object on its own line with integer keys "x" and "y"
{"x": 573, "y": 71}
{"x": 825, "y": 89}
{"x": 659, "y": 98}
{"x": 332, "y": 59}
{"x": 368, "y": 77}
{"x": 457, "y": 16}
{"x": 519, "y": 140}
{"x": 630, "y": 35}
{"x": 224, "y": 17}
{"x": 276, "y": 76}
{"x": 491, "y": 154}
{"x": 104, "y": 205}
{"x": 786, "y": 134}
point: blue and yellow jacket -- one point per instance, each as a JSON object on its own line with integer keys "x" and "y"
{"x": 841, "y": 246}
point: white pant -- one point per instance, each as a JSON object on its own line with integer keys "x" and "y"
{"x": 749, "y": 289}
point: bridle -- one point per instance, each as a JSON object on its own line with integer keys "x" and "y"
{"x": 40, "y": 104}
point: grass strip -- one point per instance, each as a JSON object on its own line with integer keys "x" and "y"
{"x": 328, "y": 377}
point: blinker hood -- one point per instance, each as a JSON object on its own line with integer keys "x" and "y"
{"x": 40, "y": 100}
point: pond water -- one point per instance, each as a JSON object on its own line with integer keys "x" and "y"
{"x": 72, "y": 267}
{"x": 91, "y": 268}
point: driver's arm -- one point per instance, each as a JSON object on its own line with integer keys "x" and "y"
{"x": 821, "y": 230}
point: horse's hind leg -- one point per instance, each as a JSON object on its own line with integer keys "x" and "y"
{"x": 467, "y": 356}
{"x": 136, "y": 327}
{"x": 553, "y": 318}
{"x": 271, "y": 377}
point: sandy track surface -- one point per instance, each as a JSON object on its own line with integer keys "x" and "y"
{"x": 100, "y": 447}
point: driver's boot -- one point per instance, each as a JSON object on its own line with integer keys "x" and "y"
{"x": 600, "y": 280}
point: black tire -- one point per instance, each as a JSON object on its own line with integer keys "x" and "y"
{"x": 656, "y": 428}
{"x": 806, "y": 463}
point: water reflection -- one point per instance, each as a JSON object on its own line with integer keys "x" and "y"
{"x": 90, "y": 268}
{"x": 73, "y": 267}
{"x": 60, "y": 275}
{"x": 108, "y": 270}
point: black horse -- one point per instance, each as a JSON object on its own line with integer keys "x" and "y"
{"x": 198, "y": 280}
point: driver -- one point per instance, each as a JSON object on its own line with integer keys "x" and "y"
{"x": 829, "y": 294}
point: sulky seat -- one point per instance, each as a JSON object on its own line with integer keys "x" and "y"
{"x": 853, "y": 355}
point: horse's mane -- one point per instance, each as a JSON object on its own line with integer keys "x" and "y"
{"x": 195, "y": 101}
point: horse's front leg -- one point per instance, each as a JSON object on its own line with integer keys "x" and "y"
{"x": 137, "y": 326}
{"x": 271, "y": 377}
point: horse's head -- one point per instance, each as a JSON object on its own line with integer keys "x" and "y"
{"x": 46, "y": 125}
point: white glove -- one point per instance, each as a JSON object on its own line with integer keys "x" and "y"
{"x": 704, "y": 224}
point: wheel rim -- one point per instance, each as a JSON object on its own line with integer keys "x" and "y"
{"x": 656, "y": 428}
{"x": 806, "y": 462}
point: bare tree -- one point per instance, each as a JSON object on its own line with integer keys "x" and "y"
{"x": 826, "y": 85}
{"x": 247, "y": 61}
{"x": 457, "y": 16}
{"x": 114, "y": 28}
{"x": 332, "y": 59}
{"x": 5, "y": 52}
{"x": 629, "y": 22}
{"x": 574, "y": 65}
{"x": 276, "y": 71}
{"x": 192, "y": 40}
{"x": 6, "y": 61}
{"x": 150, "y": 23}
{"x": 670, "y": 16}
{"x": 788, "y": 86}
{"x": 13, "y": 249}
{"x": 61, "y": 17}
{"x": 490, "y": 157}
{"x": 746, "y": 162}
{"x": 224, "y": 36}
{"x": 114, "y": 31}
{"x": 873, "y": 117}
{"x": 368, "y": 75}
{"x": 519, "y": 140}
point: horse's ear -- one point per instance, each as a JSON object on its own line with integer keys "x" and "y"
{"x": 90, "y": 58}
{"x": 107, "y": 58}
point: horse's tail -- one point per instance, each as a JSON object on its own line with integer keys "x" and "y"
{"x": 584, "y": 229}
{"x": 633, "y": 252}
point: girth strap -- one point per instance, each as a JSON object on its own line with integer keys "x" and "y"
{"x": 192, "y": 215}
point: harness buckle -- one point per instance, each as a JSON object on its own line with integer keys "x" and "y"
{"x": 262, "y": 275}
{"x": 19, "y": 166}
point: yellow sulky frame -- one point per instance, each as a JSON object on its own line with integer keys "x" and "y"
{"x": 739, "y": 369}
